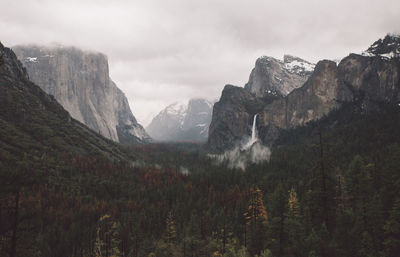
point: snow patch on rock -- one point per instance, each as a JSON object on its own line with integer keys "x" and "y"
{"x": 32, "y": 59}
{"x": 299, "y": 66}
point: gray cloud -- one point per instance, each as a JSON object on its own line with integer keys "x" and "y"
{"x": 161, "y": 51}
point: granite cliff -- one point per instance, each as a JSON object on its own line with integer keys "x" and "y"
{"x": 364, "y": 79}
{"x": 34, "y": 127}
{"x": 79, "y": 80}
{"x": 270, "y": 80}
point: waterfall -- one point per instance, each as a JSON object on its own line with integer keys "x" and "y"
{"x": 250, "y": 151}
{"x": 253, "y": 138}
{"x": 254, "y": 130}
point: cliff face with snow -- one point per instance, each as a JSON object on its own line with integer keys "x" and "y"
{"x": 270, "y": 80}
{"x": 80, "y": 82}
{"x": 363, "y": 79}
{"x": 182, "y": 122}
{"x": 273, "y": 76}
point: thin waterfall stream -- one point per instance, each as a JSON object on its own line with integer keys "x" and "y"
{"x": 254, "y": 137}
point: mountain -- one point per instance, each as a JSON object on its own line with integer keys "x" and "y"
{"x": 34, "y": 126}
{"x": 270, "y": 79}
{"x": 273, "y": 76}
{"x": 182, "y": 121}
{"x": 364, "y": 79}
{"x": 79, "y": 80}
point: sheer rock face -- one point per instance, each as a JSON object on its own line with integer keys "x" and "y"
{"x": 41, "y": 125}
{"x": 371, "y": 79}
{"x": 182, "y": 122}
{"x": 316, "y": 98}
{"x": 232, "y": 117}
{"x": 363, "y": 79}
{"x": 80, "y": 82}
{"x": 273, "y": 76}
{"x": 359, "y": 79}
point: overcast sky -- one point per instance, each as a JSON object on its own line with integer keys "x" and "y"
{"x": 161, "y": 51}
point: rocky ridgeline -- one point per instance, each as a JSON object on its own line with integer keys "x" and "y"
{"x": 80, "y": 82}
{"x": 305, "y": 95}
{"x": 389, "y": 47}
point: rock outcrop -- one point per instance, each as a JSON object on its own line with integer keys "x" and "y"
{"x": 80, "y": 82}
{"x": 182, "y": 122}
{"x": 273, "y": 76}
{"x": 363, "y": 79}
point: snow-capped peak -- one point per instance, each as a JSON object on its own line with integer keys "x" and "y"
{"x": 177, "y": 108}
{"x": 290, "y": 63}
{"x": 297, "y": 65}
{"x": 182, "y": 121}
{"x": 387, "y": 48}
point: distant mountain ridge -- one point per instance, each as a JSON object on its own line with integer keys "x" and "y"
{"x": 182, "y": 121}
{"x": 79, "y": 80}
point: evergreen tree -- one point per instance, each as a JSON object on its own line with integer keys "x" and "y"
{"x": 256, "y": 219}
{"x": 115, "y": 240}
{"x": 392, "y": 231}
{"x": 276, "y": 228}
{"x": 294, "y": 228}
{"x": 256, "y": 211}
{"x": 365, "y": 206}
{"x": 170, "y": 230}
{"x": 293, "y": 203}
{"x": 98, "y": 245}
